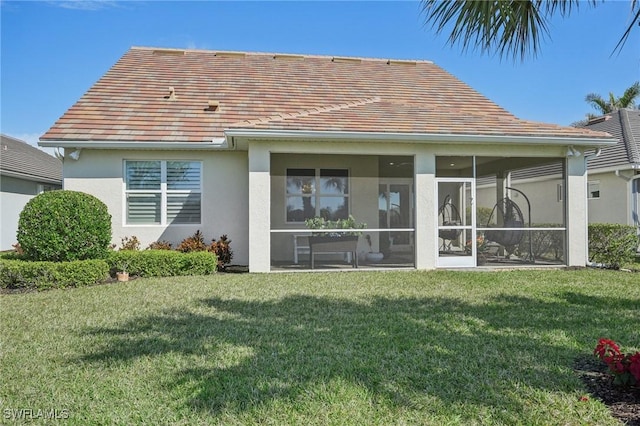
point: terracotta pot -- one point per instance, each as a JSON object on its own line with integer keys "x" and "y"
{"x": 122, "y": 276}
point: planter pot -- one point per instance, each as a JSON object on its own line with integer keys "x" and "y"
{"x": 122, "y": 276}
{"x": 342, "y": 244}
{"x": 374, "y": 257}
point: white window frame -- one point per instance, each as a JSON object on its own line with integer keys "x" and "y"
{"x": 317, "y": 195}
{"x": 163, "y": 191}
{"x": 589, "y": 192}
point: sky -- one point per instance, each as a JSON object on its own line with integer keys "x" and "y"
{"x": 52, "y": 52}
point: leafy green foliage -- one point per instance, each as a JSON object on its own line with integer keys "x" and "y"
{"x": 162, "y": 263}
{"x": 64, "y": 225}
{"x": 544, "y": 244}
{"x": 16, "y": 273}
{"x": 611, "y": 244}
{"x": 322, "y": 223}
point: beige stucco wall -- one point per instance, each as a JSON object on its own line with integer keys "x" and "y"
{"x": 613, "y": 205}
{"x": 546, "y": 206}
{"x": 225, "y": 205}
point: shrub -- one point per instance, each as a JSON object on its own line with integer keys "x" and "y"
{"x": 544, "y": 244}
{"x": 222, "y": 250}
{"x": 15, "y": 273}
{"x": 193, "y": 243}
{"x": 130, "y": 243}
{"x": 159, "y": 245}
{"x": 64, "y": 225}
{"x": 611, "y": 244}
{"x": 162, "y": 263}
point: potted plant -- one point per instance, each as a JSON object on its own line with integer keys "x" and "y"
{"x": 122, "y": 273}
{"x": 373, "y": 256}
{"x": 334, "y": 242}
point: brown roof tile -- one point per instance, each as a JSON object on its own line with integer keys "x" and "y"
{"x": 132, "y": 102}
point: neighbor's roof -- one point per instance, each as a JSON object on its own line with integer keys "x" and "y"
{"x": 19, "y": 159}
{"x": 624, "y": 124}
{"x": 260, "y": 91}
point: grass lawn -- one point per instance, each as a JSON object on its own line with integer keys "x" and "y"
{"x": 324, "y": 348}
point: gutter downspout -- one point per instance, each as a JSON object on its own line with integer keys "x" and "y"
{"x": 586, "y": 166}
{"x": 635, "y": 200}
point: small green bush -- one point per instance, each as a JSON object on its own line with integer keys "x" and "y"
{"x": 64, "y": 225}
{"x": 544, "y": 244}
{"x": 162, "y": 263}
{"x": 17, "y": 273}
{"x": 611, "y": 244}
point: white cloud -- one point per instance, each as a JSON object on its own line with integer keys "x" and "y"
{"x": 84, "y": 4}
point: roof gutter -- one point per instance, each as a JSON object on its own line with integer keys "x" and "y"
{"x": 32, "y": 178}
{"x": 418, "y": 137}
{"x": 215, "y": 143}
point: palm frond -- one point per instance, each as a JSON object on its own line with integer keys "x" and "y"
{"x": 635, "y": 11}
{"x": 507, "y": 27}
{"x": 628, "y": 98}
{"x": 598, "y": 103}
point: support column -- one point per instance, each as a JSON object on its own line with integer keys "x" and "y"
{"x": 576, "y": 214}
{"x": 426, "y": 210}
{"x": 259, "y": 208}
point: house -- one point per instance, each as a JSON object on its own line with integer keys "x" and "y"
{"x": 252, "y": 144}
{"x": 25, "y": 171}
{"x": 614, "y": 175}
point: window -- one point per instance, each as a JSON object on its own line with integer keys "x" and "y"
{"x": 45, "y": 188}
{"x": 593, "y": 190}
{"x": 317, "y": 192}
{"x": 163, "y": 192}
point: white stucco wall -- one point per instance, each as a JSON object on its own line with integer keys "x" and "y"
{"x": 15, "y": 193}
{"x": 225, "y": 204}
{"x": 11, "y": 205}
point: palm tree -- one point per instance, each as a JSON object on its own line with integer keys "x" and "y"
{"x": 508, "y": 27}
{"x": 627, "y": 100}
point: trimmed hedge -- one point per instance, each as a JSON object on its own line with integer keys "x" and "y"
{"x": 64, "y": 225}
{"x": 16, "y": 273}
{"x": 162, "y": 263}
{"x": 611, "y": 244}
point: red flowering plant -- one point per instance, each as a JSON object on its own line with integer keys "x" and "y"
{"x": 624, "y": 367}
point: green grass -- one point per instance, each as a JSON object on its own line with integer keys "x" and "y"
{"x": 325, "y": 348}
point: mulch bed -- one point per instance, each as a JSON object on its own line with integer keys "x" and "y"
{"x": 624, "y": 402}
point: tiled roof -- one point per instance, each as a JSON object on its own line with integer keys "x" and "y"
{"x": 18, "y": 158}
{"x": 623, "y": 124}
{"x": 132, "y": 101}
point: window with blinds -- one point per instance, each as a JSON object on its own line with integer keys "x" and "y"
{"x": 163, "y": 192}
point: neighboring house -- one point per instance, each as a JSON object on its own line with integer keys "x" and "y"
{"x": 25, "y": 171}
{"x": 614, "y": 175}
{"x": 252, "y": 144}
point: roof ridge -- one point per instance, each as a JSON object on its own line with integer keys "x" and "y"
{"x": 628, "y": 137}
{"x": 276, "y": 54}
{"x": 310, "y": 111}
